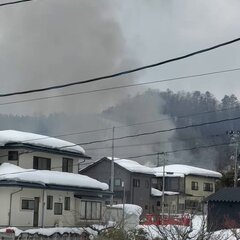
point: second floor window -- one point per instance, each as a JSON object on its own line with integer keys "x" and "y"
{"x": 41, "y": 163}
{"x": 67, "y": 165}
{"x": 208, "y": 187}
{"x": 194, "y": 185}
{"x": 117, "y": 182}
{"x": 136, "y": 182}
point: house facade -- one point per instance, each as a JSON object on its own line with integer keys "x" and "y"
{"x": 190, "y": 185}
{"x": 40, "y": 185}
{"x": 136, "y": 178}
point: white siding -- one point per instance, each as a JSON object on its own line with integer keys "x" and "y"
{"x": 26, "y": 159}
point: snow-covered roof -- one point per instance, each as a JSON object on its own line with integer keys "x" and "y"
{"x": 12, "y": 172}
{"x": 180, "y": 170}
{"x": 133, "y": 166}
{"x": 13, "y": 136}
{"x": 157, "y": 193}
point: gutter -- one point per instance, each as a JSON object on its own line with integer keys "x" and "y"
{"x": 10, "y": 207}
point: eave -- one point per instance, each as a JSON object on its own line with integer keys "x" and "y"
{"x": 79, "y": 191}
{"x": 44, "y": 149}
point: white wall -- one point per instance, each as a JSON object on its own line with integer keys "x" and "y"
{"x": 26, "y": 160}
{"x": 24, "y": 218}
{"x": 201, "y": 180}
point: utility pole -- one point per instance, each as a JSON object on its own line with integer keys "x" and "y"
{"x": 112, "y": 168}
{"x": 124, "y": 200}
{"x": 158, "y": 160}
{"x": 163, "y": 187}
{"x": 235, "y": 137}
{"x": 236, "y": 165}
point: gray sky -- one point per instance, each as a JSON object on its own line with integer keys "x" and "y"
{"x": 48, "y": 42}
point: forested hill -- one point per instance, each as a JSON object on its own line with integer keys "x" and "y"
{"x": 184, "y": 109}
{"x": 203, "y": 146}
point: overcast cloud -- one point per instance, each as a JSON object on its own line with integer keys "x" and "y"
{"x": 56, "y": 41}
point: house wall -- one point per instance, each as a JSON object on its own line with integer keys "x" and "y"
{"x": 141, "y": 195}
{"x": 134, "y": 195}
{"x": 26, "y": 160}
{"x": 102, "y": 172}
{"x": 23, "y": 218}
{"x": 200, "y": 180}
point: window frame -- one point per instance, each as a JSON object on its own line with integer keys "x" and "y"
{"x": 67, "y": 203}
{"x": 28, "y": 203}
{"x": 11, "y": 155}
{"x": 91, "y": 214}
{"x": 194, "y": 186}
{"x": 136, "y": 182}
{"x": 208, "y": 187}
{"x": 55, "y": 208}
{"x": 115, "y": 182}
{"x": 49, "y": 202}
{"x": 38, "y": 163}
{"x": 67, "y": 165}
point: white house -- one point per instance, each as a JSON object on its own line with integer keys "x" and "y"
{"x": 186, "y": 186}
{"x": 40, "y": 185}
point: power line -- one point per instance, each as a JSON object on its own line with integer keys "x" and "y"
{"x": 14, "y": 2}
{"x": 120, "y": 73}
{"x": 128, "y": 136}
{"x": 154, "y": 143}
{"x": 120, "y": 87}
{"x": 155, "y": 132}
{"x": 180, "y": 150}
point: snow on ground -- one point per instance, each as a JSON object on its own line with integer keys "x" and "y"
{"x": 133, "y": 166}
{"x": 157, "y": 193}
{"x": 179, "y": 170}
{"x": 50, "y": 231}
{"x": 13, "y": 136}
{"x": 153, "y": 232}
{"x": 15, "y": 173}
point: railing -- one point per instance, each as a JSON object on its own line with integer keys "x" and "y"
{"x": 153, "y": 219}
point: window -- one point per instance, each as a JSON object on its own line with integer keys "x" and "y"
{"x": 57, "y": 208}
{"x": 147, "y": 184}
{"x": 67, "y": 203}
{"x": 90, "y": 210}
{"x": 194, "y": 185}
{"x": 67, "y": 165}
{"x": 136, "y": 182}
{"x": 27, "y": 204}
{"x": 41, "y": 163}
{"x": 208, "y": 187}
{"x": 146, "y": 207}
{"x": 49, "y": 202}
{"x": 12, "y": 155}
{"x": 172, "y": 184}
{"x": 117, "y": 182}
{"x": 191, "y": 204}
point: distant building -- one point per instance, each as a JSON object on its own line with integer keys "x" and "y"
{"x": 136, "y": 177}
{"x": 190, "y": 186}
{"x": 223, "y": 209}
{"x": 40, "y": 185}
